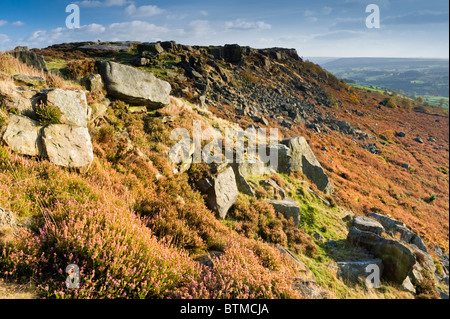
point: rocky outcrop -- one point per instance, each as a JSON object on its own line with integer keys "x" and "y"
{"x": 29, "y": 80}
{"x": 72, "y": 104}
{"x": 23, "y": 135}
{"x": 221, "y": 191}
{"x": 30, "y": 58}
{"x": 133, "y": 86}
{"x": 68, "y": 146}
{"x": 288, "y": 208}
{"x": 398, "y": 259}
{"x": 304, "y": 160}
{"x": 367, "y": 224}
{"x": 394, "y": 227}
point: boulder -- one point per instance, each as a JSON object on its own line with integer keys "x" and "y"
{"x": 368, "y": 224}
{"x": 408, "y": 286}
{"x": 181, "y": 155}
{"x": 23, "y": 135}
{"x": 133, "y": 86}
{"x": 221, "y": 191}
{"x": 304, "y": 160}
{"x": 418, "y": 140}
{"x": 72, "y": 104}
{"x": 93, "y": 83}
{"x": 7, "y": 219}
{"x": 288, "y": 208}
{"x": 356, "y": 270}
{"x": 30, "y": 58}
{"x": 68, "y": 146}
{"x": 398, "y": 259}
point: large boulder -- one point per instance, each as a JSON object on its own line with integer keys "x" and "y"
{"x": 30, "y": 58}
{"x": 72, "y": 103}
{"x": 68, "y": 146}
{"x": 304, "y": 160}
{"x": 288, "y": 208}
{"x": 23, "y": 135}
{"x": 368, "y": 224}
{"x": 134, "y": 86}
{"x": 398, "y": 259}
{"x": 221, "y": 191}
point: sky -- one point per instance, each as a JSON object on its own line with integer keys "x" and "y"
{"x": 316, "y": 28}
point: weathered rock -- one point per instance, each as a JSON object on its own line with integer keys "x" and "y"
{"x": 254, "y": 168}
{"x": 221, "y": 191}
{"x": 150, "y": 49}
{"x": 304, "y": 160}
{"x": 394, "y": 227}
{"x": 29, "y": 80}
{"x": 242, "y": 184}
{"x": 93, "y": 83}
{"x": 356, "y": 270}
{"x": 408, "y": 286}
{"x": 303, "y": 271}
{"x": 208, "y": 259}
{"x": 30, "y": 58}
{"x": 7, "y": 219}
{"x": 181, "y": 155}
{"x": 72, "y": 103}
{"x": 398, "y": 259}
{"x": 23, "y": 135}
{"x": 368, "y": 224}
{"x": 134, "y": 86}
{"x": 288, "y": 208}
{"x": 68, "y": 146}
{"x": 418, "y": 140}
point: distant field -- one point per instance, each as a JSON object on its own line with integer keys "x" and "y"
{"x": 364, "y": 87}
{"x": 412, "y": 77}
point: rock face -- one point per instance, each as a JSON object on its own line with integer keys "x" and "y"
{"x": 242, "y": 184}
{"x": 221, "y": 191}
{"x": 134, "y": 86}
{"x": 288, "y": 208}
{"x": 355, "y": 270}
{"x": 23, "y": 135}
{"x": 30, "y": 58}
{"x": 398, "y": 260}
{"x": 367, "y": 224}
{"x": 304, "y": 160}
{"x": 68, "y": 146}
{"x": 73, "y": 105}
{"x": 394, "y": 227}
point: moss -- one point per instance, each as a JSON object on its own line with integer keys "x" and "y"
{"x": 48, "y": 114}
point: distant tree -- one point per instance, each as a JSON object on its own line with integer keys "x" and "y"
{"x": 419, "y": 100}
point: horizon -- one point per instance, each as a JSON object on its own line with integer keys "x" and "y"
{"x": 408, "y": 28}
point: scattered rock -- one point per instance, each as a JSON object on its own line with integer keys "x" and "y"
{"x": 407, "y": 166}
{"x": 120, "y": 82}
{"x": 68, "y": 146}
{"x": 209, "y": 259}
{"x": 408, "y": 286}
{"x": 242, "y": 184}
{"x": 304, "y": 160}
{"x": 72, "y": 103}
{"x": 398, "y": 259}
{"x": 401, "y": 134}
{"x": 23, "y": 135}
{"x": 7, "y": 219}
{"x": 221, "y": 191}
{"x": 288, "y": 208}
{"x": 317, "y": 236}
{"x": 418, "y": 140}
{"x": 368, "y": 224}
{"x": 274, "y": 190}
{"x": 30, "y": 80}
{"x": 93, "y": 83}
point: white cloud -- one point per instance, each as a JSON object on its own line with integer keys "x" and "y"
{"x": 18, "y": 23}
{"x": 240, "y": 24}
{"x": 200, "y": 28}
{"x": 143, "y": 11}
{"x": 204, "y": 13}
{"x": 106, "y": 3}
{"x": 3, "y": 22}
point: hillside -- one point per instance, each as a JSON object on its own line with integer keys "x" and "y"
{"x": 88, "y": 178}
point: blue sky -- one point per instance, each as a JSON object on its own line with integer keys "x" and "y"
{"x": 409, "y": 28}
